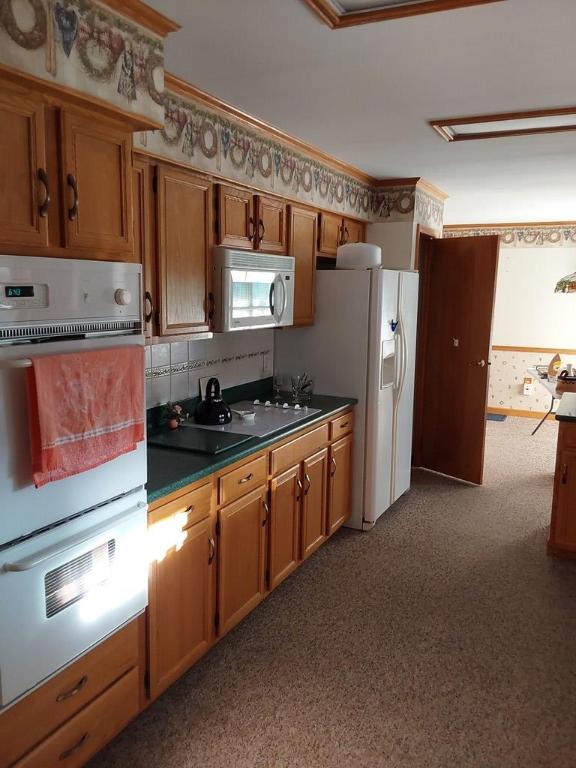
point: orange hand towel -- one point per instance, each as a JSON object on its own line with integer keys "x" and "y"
{"x": 85, "y": 409}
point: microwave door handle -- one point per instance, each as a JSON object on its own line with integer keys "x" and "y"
{"x": 73, "y": 541}
{"x": 281, "y": 285}
{"x": 271, "y": 298}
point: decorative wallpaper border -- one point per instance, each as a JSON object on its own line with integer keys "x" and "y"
{"x": 194, "y": 365}
{"x": 523, "y": 236}
{"x": 210, "y": 140}
{"x": 86, "y": 46}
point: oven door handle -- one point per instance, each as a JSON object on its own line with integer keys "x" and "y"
{"x": 73, "y": 541}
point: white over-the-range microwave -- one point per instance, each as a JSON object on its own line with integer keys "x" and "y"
{"x": 252, "y": 290}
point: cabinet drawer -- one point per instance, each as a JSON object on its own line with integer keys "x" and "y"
{"x": 341, "y": 426}
{"x": 30, "y": 720}
{"x": 242, "y": 480}
{"x": 298, "y": 449}
{"x": 88, "y": 731}
{"x": 194, "y": 505}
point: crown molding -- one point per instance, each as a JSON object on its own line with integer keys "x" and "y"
{"x": 326, "y": 11}
{"x": 143, "y": 14}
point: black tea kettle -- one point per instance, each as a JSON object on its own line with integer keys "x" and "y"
{"x": 212, "y": 410}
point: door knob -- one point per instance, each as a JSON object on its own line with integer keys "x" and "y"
{"x": 481, "y": 363}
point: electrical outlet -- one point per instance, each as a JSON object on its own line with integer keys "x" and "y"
{"x": 203, "y": 382}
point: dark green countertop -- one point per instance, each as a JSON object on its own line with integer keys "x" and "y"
{"x": 567, "y": 408}
{"x": 169, "y": 470}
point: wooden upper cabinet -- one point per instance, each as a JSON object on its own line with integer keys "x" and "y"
{"x": 314, "y": 502}
{"x": 271, "y": 229}
{"x": 330, "y": 233}
{"x": 181, "y": 605}
{"x": 285, "y": 497}
{"x": 340, "y": 484}
{"x": 24, "y": 187}
{"x": 241, "y": 557}
{"x": 302, "y": 245}
{"x": 184, "y": 225}
{"x": 235, "y": 217}
{"x": 353, "y": 231}
{"x": 97, "y": 184}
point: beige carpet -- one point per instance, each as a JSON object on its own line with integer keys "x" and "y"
{"x": 445, "y": 638}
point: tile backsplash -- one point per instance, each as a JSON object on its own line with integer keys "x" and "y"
{"x": 173, "y": 371}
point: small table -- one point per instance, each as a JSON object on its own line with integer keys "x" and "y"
{"x": 550, "y": 387}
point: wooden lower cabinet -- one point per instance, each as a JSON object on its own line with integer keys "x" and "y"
{"x": 562, "y": 538}
{"x": 314, "y": 502}
{"x": 181, "y": 602}
{"x": 241, "y": 557}
{"x": 284, "y": 529}
{"x": 340, "y": 484}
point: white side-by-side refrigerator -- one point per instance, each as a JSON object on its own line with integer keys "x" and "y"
{"x": 363, "y": 345}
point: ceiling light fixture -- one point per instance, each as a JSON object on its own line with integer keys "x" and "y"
{"x": 528, "y": 123}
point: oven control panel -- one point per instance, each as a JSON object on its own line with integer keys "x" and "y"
{"x": 23, "y": 296}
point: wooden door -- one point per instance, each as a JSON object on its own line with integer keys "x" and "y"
{"x": 271, "y": 229}
{"x": 24, "y": 187}
{"x": 144, "y": 251}
{"x": 284, "y": 541}
{"x": 97, "y": 186}
{"x": 563, "y": 528}
{"x": 184, "y": 224}
{"x": 314, "y": 502}
{"x": 241, "y": 557}
{"x": 181, "y": 604}
{"x": 302, "y": 245}
{"x": 458, "y": 279}
{"x": 330, "y": 233}
{"x": 353, "y": 231}
{"x": 340, "y": 485}
{"x": 235, "y": 217}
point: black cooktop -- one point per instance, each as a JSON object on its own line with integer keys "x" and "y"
{"x": 198, "y": 440}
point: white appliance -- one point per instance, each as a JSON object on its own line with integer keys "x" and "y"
{"x": 363, "y": 345}
{"x": 252, "y": 290}
{"x": 52, "y": 538}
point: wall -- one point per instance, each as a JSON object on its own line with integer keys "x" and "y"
{"x": 174, "y": 370}
{"x": 397, "y": 240}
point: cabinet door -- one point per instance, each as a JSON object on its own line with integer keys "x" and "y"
{"x": 143, "y": 240}
{"x": 564, "y": 533}
{"x": 330, "y": 233}
{"x": 181, "y": 600}
{"x": 314, "y": 506}
{"x": 241, "y": 558}
{"x": 270, "y": 225}
{"x": 285, "y": 497}
{"x": 235, "y": 217}
{"x": 302, "y": 245}
{"x": 353, "y": 231}
{"x": 24, "y": 201}
{"x": 97, "y": 183}
{"x": 184, "y": 224}
{"x": 340, "y": 486}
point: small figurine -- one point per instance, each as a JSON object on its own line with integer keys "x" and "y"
{"x": 175, "y": 415}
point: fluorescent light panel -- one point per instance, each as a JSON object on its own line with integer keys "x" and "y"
{"x": 501, "y": 126}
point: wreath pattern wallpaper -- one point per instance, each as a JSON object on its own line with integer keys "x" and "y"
{"x": 87, "y": 47}
{"x": 537, "y": 236}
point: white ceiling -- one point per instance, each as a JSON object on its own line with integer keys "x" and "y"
{"x": 365, "y": 94}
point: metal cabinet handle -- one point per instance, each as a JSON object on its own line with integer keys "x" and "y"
{"x": 212, "y": 550}
{"x": 251, "y": 228}
{"x": 300, "y": 489}
{"x": 334, "y": 466}
{"x": 73, "y": 691}
{"x": 309, "y": 483}
{"x": 261, "y": 231}
{"x": 43, "y": 179}
{"x": 564, "y": 474}
{"x": 73, "y": 211}
{"x": 346, "y": 235}
{"x": 69, "y": 752}
{"x": 211, "y": 306}
{"x": 246, "y": 479}
{"x": 343, "y": 426}
{"x": 150, "y": 313}
{"x": 190, "y": 509}
{"x": 267, "y": 511}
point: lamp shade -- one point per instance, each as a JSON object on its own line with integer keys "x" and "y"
{"x": 567, "y": 284}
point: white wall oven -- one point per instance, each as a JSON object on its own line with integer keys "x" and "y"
{"x": 252, "y": 290}
{"x": 73, "y": 559}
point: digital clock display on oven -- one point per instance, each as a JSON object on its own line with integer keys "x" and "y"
{"x": 19, "y": 291}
